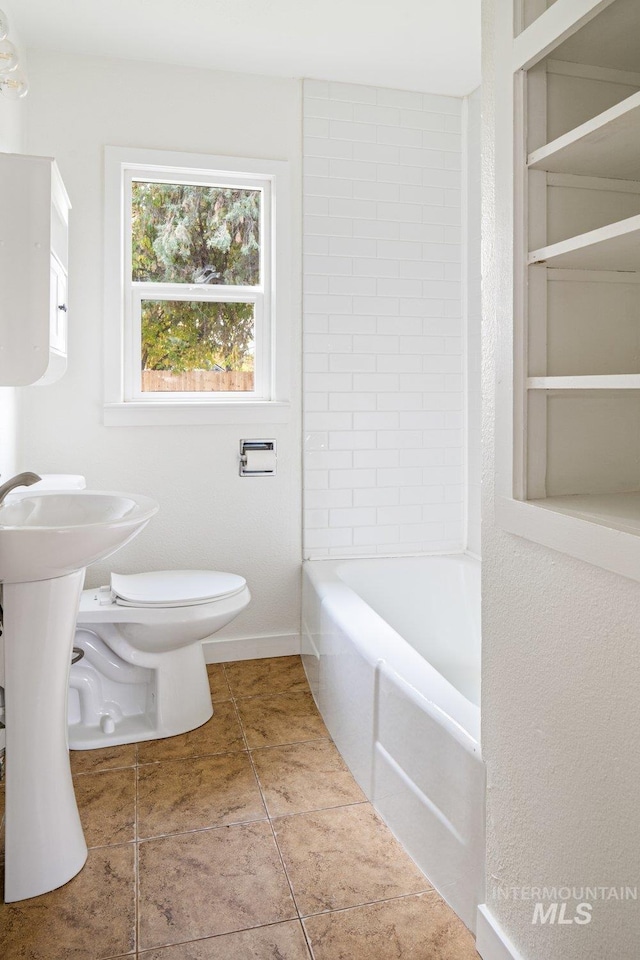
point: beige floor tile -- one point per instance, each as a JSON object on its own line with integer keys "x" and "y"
{"x": 220, "y": 734}
{"x": 1, "y": 823}
{"x": 283, "y": 718}
{"x": 107, "y": 803}
{"x": 215, "y": 881}
{"x": 344, "y": 857}
{"x": 414, "y": 928}
{"x": 106, "y": 758}
{"x": 282, "y": 941}
{"x": 90, "y": 918}
{"x": 301, "y": 777}
{"x": 258, "y": 678}
{"x": 181, "y": 795}
{"x": 218, "y": 682}
{"x": 211, "y": 881}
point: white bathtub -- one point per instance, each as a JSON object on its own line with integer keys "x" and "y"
{"x": 392, "y": 652}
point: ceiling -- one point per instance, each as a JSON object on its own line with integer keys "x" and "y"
{"x": 429, "y": 45}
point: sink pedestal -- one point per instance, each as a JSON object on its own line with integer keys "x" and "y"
{"x": 45, "y": 845}
{"x": 46, "y": 541}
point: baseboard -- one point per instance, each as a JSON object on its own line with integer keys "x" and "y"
{"x": 251, "y": 648}
{"x": 491, "y": 941}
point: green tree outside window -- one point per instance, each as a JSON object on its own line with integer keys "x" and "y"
{"x": 196, "y": 235}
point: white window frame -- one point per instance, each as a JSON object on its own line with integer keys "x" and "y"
{"x": 125, "y": 403}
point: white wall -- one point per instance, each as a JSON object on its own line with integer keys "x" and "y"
{"x": 209, "y": 516}
{"x": 561, "y": 672}
{"x": 383, "y": 321}
{"x": 12, "y": 140}
{"x": 473, "y": 316}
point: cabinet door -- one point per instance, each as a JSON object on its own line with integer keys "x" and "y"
{"x": 58, "y": 308}
{"x": 33, "y": 270}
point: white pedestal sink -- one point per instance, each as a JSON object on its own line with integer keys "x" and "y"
{"x": 46, "y": 541}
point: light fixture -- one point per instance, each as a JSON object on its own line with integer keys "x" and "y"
{"x": 14, "y": 85}
{"x": 8, "y": 56}
{"x": 13, "y": 81}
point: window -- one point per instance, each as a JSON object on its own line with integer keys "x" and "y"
{"x": 190, "y": 305}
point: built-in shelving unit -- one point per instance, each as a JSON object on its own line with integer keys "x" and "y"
{"x": 615, "y": 246}
{"x": 606, "y": 146}
{"x": 621, "y": 511}
{"x": 576, "y": 339}
{"x": 624, "y": 381}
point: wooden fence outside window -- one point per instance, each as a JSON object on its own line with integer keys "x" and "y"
{"x": 197, "y": 381}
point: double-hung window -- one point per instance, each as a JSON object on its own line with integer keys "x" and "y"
{"x": 190, "y": 297}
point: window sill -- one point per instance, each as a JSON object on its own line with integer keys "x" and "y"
{"x": 149, "y": 414}
{"x": 591, "y": 539}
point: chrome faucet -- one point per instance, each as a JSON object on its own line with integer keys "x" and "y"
{"x": 20, "y": 480}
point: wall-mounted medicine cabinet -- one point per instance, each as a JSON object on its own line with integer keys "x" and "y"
{"x": 34, "y": 226}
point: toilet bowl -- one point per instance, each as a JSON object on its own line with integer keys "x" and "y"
{"x": 142, "y": 673}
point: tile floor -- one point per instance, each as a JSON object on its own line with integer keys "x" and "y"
{"x": 247, "y": 839}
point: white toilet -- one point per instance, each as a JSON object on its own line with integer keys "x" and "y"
{"x": 142, "y": 673}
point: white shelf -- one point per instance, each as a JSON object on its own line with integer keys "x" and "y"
{"x": 619, "y": 381}
{"x": 556, "y": 24}
{"x": 602, "y": 529}
{"x": 608, "y": 40}
{"x": 621, "y": 511}
{"x": 613, "y": 247}
{"x": 606, "y": 146}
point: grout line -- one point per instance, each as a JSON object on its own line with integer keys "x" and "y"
{"x": 370, "y": 903}
{"x": 195, "y": 756}
{"x": 136, "y": 862}
{"x": 89, "y": 773}
{"x": 286, "y": 872}
{"x": 275, "y": 839}
{"x": 307, "y": 940}
{"x": 237, "y": 823}
{"x": 248, "y": 752}
{"x": 338, "y": 806}
{"x": 215, "y": 826}
{"x": 107, "y": 846}
{"x": 214, "y": 936}
{"x": 273, "y": 695}
{"x": 103, "y": 846}
{"x": 231, "y": 752}
{"x": 290, "y": 743}
{"x": 273, "y": 832}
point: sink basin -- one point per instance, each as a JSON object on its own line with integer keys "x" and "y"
{"x": 48, "y": 535}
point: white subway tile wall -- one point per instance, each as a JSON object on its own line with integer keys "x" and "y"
{"x": 384, "y": 400}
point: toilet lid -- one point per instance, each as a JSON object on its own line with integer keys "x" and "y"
{"x": 174, "y": 588}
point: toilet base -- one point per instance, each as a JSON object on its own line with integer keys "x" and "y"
{"x": 127, "y": 730}
{"x": 113, "y": 701}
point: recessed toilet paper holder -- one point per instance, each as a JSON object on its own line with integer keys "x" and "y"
{"x": 258, "y": 458}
